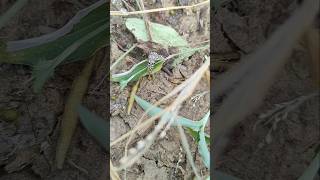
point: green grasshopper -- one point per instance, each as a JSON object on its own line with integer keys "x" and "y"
{"x": 152, "y": 58}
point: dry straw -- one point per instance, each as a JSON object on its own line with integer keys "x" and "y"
{"x": 121, "y": 13}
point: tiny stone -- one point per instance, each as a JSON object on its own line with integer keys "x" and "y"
{"x": 123, "y": 160}
{"x": 133, "y": 151}
{"x": 149, "y": 137}
{"x": 163, "y": 134}
{"x": 141, "y": 145}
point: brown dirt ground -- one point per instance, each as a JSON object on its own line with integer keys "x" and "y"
{"x": 160, "y": 162}
{"x": 27, "y": 146}
{"x": 33, "y": 137}
{"x": 242, "y": 27}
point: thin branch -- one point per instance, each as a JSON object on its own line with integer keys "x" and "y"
{"x": 119, "y": 13}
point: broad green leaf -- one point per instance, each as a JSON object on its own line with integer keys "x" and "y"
{"x": 43, "y": 70}
{"x": 50, "y": 50}
{"x": 95, "y": 125}
{"x": 312, "y": 170}
{"x": 161, "y": 34}
{"x": 136, "y": 72}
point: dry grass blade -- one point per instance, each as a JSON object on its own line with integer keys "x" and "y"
{"x": 208, "y": 76}
{"x": 119, "y": 13}
{"x": 131, "y": 99}
{"x": 69, "y": 120}
{"x": 186, "y": 147}
{"x": 145, "y": 18}
{"x": 119, "y": 60}
{"x": 114, "y": 175}
{"x": 259, "y": 70}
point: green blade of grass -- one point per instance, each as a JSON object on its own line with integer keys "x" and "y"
{"x": 82, "y": 18}
{"x": 161, "y": 34}
{"x": 313, "y": 168}
{"x": 94, "y": 124}
{"x": 195, "y": 135}
{"x": 46, "y": 50}
{"x": 121, "y": 58}
{"x": 196, "y": 127}
{"x": 153, "y": 111}
{"x": 202, "y": 144}
{"x": 43, "y": 70}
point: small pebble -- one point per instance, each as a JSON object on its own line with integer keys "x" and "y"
{"x": 141, "y": 145}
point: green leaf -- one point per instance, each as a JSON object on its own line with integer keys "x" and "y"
{"x": 202, "y": 145}
{"x": 43, "y": 70}
{"x": 160, "y": 34}
{"x": 48, "y": 49}
{"x": 312, "y": 170}
{"x": 95, "y": 125}
{"x": 195, "y": 135}
{"x": 196, "y": 127}
{"x": 186, "y": 52}
{"x": 153, "y": 111}
{"x": 136, "y": 72}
